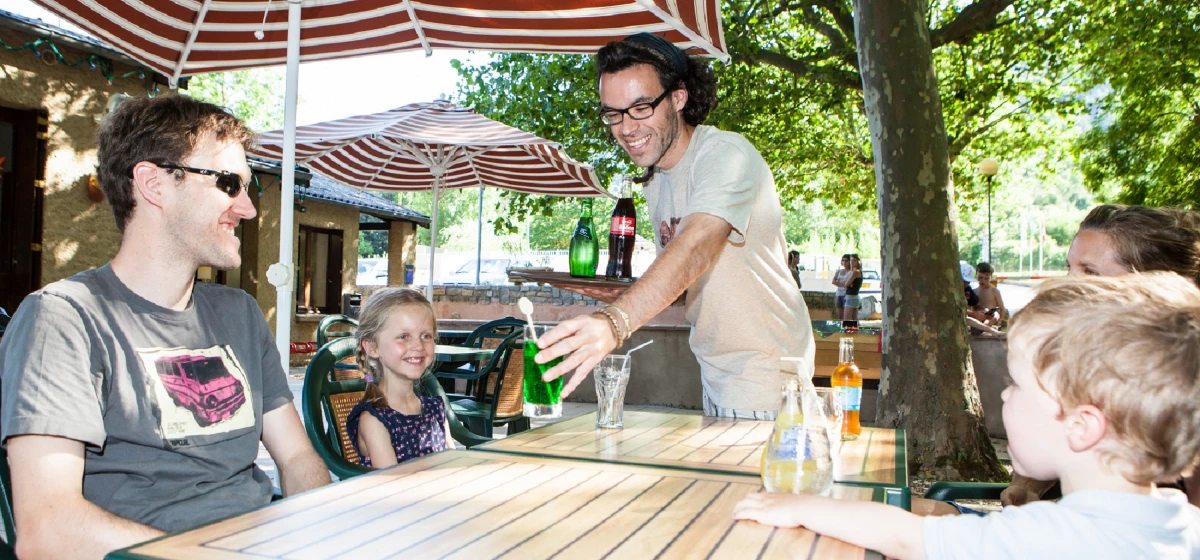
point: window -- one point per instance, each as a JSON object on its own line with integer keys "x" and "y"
{"x": 319, "y": 271}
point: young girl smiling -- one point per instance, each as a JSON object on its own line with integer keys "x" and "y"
{"x": 395, "y": 340}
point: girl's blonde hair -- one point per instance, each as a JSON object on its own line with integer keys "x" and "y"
{"x": 371, "y": 319}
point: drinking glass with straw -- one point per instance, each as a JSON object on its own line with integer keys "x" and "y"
{"x": 543, "y": 399}
{"x": 612, "y": 377}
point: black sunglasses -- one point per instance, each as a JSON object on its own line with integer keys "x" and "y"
{"x": 637, "y": 111}
{"x": 229, "y": 183}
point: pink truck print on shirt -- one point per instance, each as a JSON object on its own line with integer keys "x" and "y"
{"x": 203, "y": 386}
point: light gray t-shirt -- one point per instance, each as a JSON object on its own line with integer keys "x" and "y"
{"x": 746, "y": 312}
{"x": 1091, "y": 524}
{"x": 168, "y": 403}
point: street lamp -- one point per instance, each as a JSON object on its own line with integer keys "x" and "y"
{"x": 988, "y": 167}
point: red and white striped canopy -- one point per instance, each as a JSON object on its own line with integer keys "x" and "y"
{"x": 411, "y": 147}
{"x": 188, "y": 37}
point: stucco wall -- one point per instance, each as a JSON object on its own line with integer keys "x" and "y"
{"x": 78, "y": 234}
{"x": 332, "y": 216}
{"x": 402, "y": 250}
{"x": 265, "y": 250}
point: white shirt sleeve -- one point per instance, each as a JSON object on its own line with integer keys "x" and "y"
{"x": 1038, "y": 530}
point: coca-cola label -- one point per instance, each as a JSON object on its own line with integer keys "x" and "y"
{"x": 623, "y": 225}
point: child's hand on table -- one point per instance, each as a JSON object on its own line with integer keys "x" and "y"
{"x": 780, "y": 510}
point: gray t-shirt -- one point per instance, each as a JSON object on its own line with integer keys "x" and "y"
{"x": 168, "y": 403}
{"x": 746, "y": 311}
{"x": 1091, "y": 524}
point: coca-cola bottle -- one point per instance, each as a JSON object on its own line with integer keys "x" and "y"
{"x": 621, "y": 234}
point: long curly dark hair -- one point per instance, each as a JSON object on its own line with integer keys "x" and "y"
{"x": 699, "y": 80}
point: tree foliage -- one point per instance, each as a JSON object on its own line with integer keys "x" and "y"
{"x": 793, "y": 89}
{"x": 1143, "y": 60}
{"x": 253, "y": 95}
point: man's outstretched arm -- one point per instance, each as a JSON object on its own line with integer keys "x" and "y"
{"x": 300, "y": 468}
{"x": 53, "y": 518}
{"x": 588, "y": 338}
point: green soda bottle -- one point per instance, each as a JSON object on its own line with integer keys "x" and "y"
{"x": 585, "y": 250}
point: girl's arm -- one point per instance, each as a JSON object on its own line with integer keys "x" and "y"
{"x": 375, "y": 442}
{"x": 886, "y": 529}
{"x": 449, "y": 438}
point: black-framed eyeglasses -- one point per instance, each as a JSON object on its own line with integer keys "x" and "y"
{"x": 637, "y": 111}
{"x": 230, "y": 183}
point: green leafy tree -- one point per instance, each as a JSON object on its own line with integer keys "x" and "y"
{"x": 1144, "y": 63}
{"x": 794, "y": 90}
{"x": 253, "y": 95}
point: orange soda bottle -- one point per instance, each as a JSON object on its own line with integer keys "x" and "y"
{"x": 847, "y": 385}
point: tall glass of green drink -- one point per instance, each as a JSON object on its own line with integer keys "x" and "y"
{"x": 543, "y": 399}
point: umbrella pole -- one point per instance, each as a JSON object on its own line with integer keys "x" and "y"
{"x": 437, "y": 180}
{"x": 479, "y": 239}
{"x": 284, "y": 271}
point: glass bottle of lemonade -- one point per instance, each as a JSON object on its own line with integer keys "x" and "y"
{"x": 847, "y": 384}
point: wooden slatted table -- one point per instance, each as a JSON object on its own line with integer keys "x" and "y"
{"x": 474, "y": 505}
{"x": 703, "y": 443}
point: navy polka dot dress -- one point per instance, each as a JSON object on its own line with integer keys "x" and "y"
{"x": 412, "y": 435}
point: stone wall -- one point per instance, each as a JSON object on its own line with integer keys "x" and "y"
{"x": 78, "y": 234}
{"x": 504, "y": 295}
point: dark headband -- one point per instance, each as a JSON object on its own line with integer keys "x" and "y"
{"x": 663, "y": 47}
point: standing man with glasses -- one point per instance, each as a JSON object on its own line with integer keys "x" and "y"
{"x": 720, "y": 238}
{"x": 134, "y": 399}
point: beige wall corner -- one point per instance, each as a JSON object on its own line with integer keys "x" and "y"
{"x": 402, "y": 250}
{"x": 77, "y": 234}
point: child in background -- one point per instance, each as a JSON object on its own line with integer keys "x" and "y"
{"x": 989, "y": 296}
{"x": 396, "y": 337}
{"x": 1105, "y": 396}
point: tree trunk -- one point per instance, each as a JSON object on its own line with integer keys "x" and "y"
{"x": 927, "y": 385}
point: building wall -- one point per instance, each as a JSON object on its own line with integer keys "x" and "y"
{"x": 402, "y": 250}
{"x": 264, "y": 248}
{"x": 336, "y": 217}
{"x": 78, "y": 234}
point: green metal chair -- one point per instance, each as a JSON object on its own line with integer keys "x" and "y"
{"x": 946, "y": 491}
{"x": 326, "y": 402}
{"x": 324, "y": 334}
{"x": 497, "y": 385}
{"x": 494, "y": 387}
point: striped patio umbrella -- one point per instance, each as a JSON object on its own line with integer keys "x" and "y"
{"x": 434, "y": 146}
{"x": 188, "y": 37}
{"x": 195, "y": 37}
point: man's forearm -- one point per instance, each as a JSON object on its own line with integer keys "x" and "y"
{"x": 78, "y": 528}
{"x": 303, "y": 473}
{"x": 681, "y": 263}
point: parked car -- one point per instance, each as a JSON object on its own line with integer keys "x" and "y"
{"x": 372, "y": 272}
{"x": 871, "y": 293}
{"x": 493, "y": 271}
{"x": 871, "y": 282}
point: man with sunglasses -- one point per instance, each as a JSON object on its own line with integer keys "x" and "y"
{"x": 719, "y": 231}
{"x": 134, "y": 399}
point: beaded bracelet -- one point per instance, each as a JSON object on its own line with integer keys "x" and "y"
{"x": 619, "y": 334}
{"x": 624, "y": 318}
